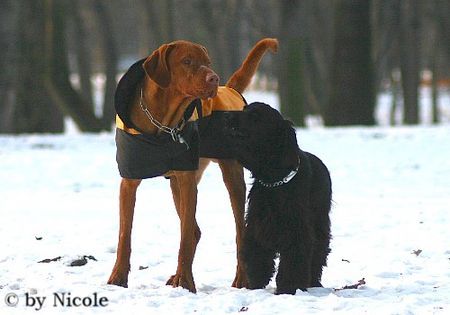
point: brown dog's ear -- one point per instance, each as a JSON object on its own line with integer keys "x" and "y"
{"x": 156, "y": 65}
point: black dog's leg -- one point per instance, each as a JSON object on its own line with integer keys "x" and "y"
{"x": 321, "y": 204}
{"x": 294, "y": 271}
{"x": 320, "y": 253}
{"x": 259, "y": 262}
{"x": 319, "y": 261}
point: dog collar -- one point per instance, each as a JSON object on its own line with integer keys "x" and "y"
{"x": 175, "y": 132}
{"x": 285, "y": 180}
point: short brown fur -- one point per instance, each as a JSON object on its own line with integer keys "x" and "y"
{"x": 176, "y": 74}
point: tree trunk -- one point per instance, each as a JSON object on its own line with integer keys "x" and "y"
{"x": 34, "y": 110}
{"x": 227, "y": 38}
{"x": 395, "y": 87}
{"x": 438, "y": 47}
{"x": 443, "y": 21}
{"x": 9, "y": 11}
{"x": 144, "y": 14}
{"x": 410, "y": 59}
{"x": 57, "y": 70}
{"x": 434, "y": 86}
{"x": 290, "y": 77}
{"x": 82, "y": 51}
{"x": 352, "y": 97}
{"x": 168, "y": 21}
{"x": 109, "y": 52}
{"x": 212, "y": 22}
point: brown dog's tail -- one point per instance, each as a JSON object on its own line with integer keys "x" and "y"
{"x": 243, "y": 76}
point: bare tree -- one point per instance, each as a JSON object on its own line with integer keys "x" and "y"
{"x": 110, "y": 60}
{"x": 318, "y": 54}
{"x": 410, "y": 60}
{"x": 34, "y": 111}
{"x": 291, "y": 83}
{"x": 57, "y": 72}
{"x": 9, "y": 12}
{"x": 443, "y": 21}
{"x": 81, "y": 47}
{"x": 333, "y": 55}
{"x": 352, "y": 99}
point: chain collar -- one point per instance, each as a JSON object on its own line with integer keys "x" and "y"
{"x": 173, "y": 132}
{"x": 285, "y": 180}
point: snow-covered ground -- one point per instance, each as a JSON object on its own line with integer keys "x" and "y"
{"x": 390, "y": 225}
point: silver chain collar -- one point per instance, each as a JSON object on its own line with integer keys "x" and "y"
{"x": 285, "y": 180}
{"x": 173, "y": 132}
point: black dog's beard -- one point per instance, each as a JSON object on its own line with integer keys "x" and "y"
{"x": 232, "y": 124}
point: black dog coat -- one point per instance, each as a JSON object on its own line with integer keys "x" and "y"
{"x": 141, "y": 155}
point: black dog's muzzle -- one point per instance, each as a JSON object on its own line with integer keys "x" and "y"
{"x": 233, "y": 125}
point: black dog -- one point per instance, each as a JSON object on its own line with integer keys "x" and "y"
{"x": 288, "y": 205}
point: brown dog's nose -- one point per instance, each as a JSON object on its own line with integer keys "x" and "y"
{"x": 212, "y": 79}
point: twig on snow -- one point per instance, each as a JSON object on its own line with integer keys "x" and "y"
{"x": 353, "y": 286}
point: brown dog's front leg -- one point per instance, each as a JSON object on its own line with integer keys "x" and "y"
{"x": 187, "y": 207}
{"x": 175, "y": 187}
{"x": 233, "y": 176}
{"x": 119, "y": 274}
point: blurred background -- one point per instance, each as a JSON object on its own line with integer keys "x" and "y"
{"x": 338, "y": 59}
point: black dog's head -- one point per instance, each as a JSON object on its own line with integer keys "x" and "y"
{"x": 264, "y": 142}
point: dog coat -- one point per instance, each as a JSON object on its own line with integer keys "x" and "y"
{"x": 141, "y": 156}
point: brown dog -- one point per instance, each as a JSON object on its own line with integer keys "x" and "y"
{"x": 175, "y": 75}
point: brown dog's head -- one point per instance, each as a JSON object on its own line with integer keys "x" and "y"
{"x": 185, "y": 67}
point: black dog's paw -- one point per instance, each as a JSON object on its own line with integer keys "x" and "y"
{"x": 316, "y": 284}
{"x": 289, "y": 290}
{"x": 286, "y": 291}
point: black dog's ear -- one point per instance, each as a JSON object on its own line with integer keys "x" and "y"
{"x": 289, "y": 123}
{"x": 289, "y": 146}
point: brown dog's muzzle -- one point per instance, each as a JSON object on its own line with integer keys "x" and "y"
{"x": 212, "y": 83}
{"x": 212, "y": 79}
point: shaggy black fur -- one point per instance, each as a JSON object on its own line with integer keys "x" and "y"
{"x": 292, "y": 219}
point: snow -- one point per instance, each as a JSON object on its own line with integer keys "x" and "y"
{"x": 391, "y": 199}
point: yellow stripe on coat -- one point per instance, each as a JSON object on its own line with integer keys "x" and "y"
{"x": 227, "y": 99}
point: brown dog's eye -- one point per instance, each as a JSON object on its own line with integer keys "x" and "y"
{"x": 187, "y": 61}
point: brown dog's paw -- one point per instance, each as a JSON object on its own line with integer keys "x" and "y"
{"x": 184, "y": 281}
{"x": 118, "y": 279}
{"x": 170, "y": 281}
{"x": 240, "y": 281}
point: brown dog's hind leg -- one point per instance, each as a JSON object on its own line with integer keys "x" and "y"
{"x": 202, "y": 165}
{"x": 119, "y": 274}
{"x": 233, "y": 176}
